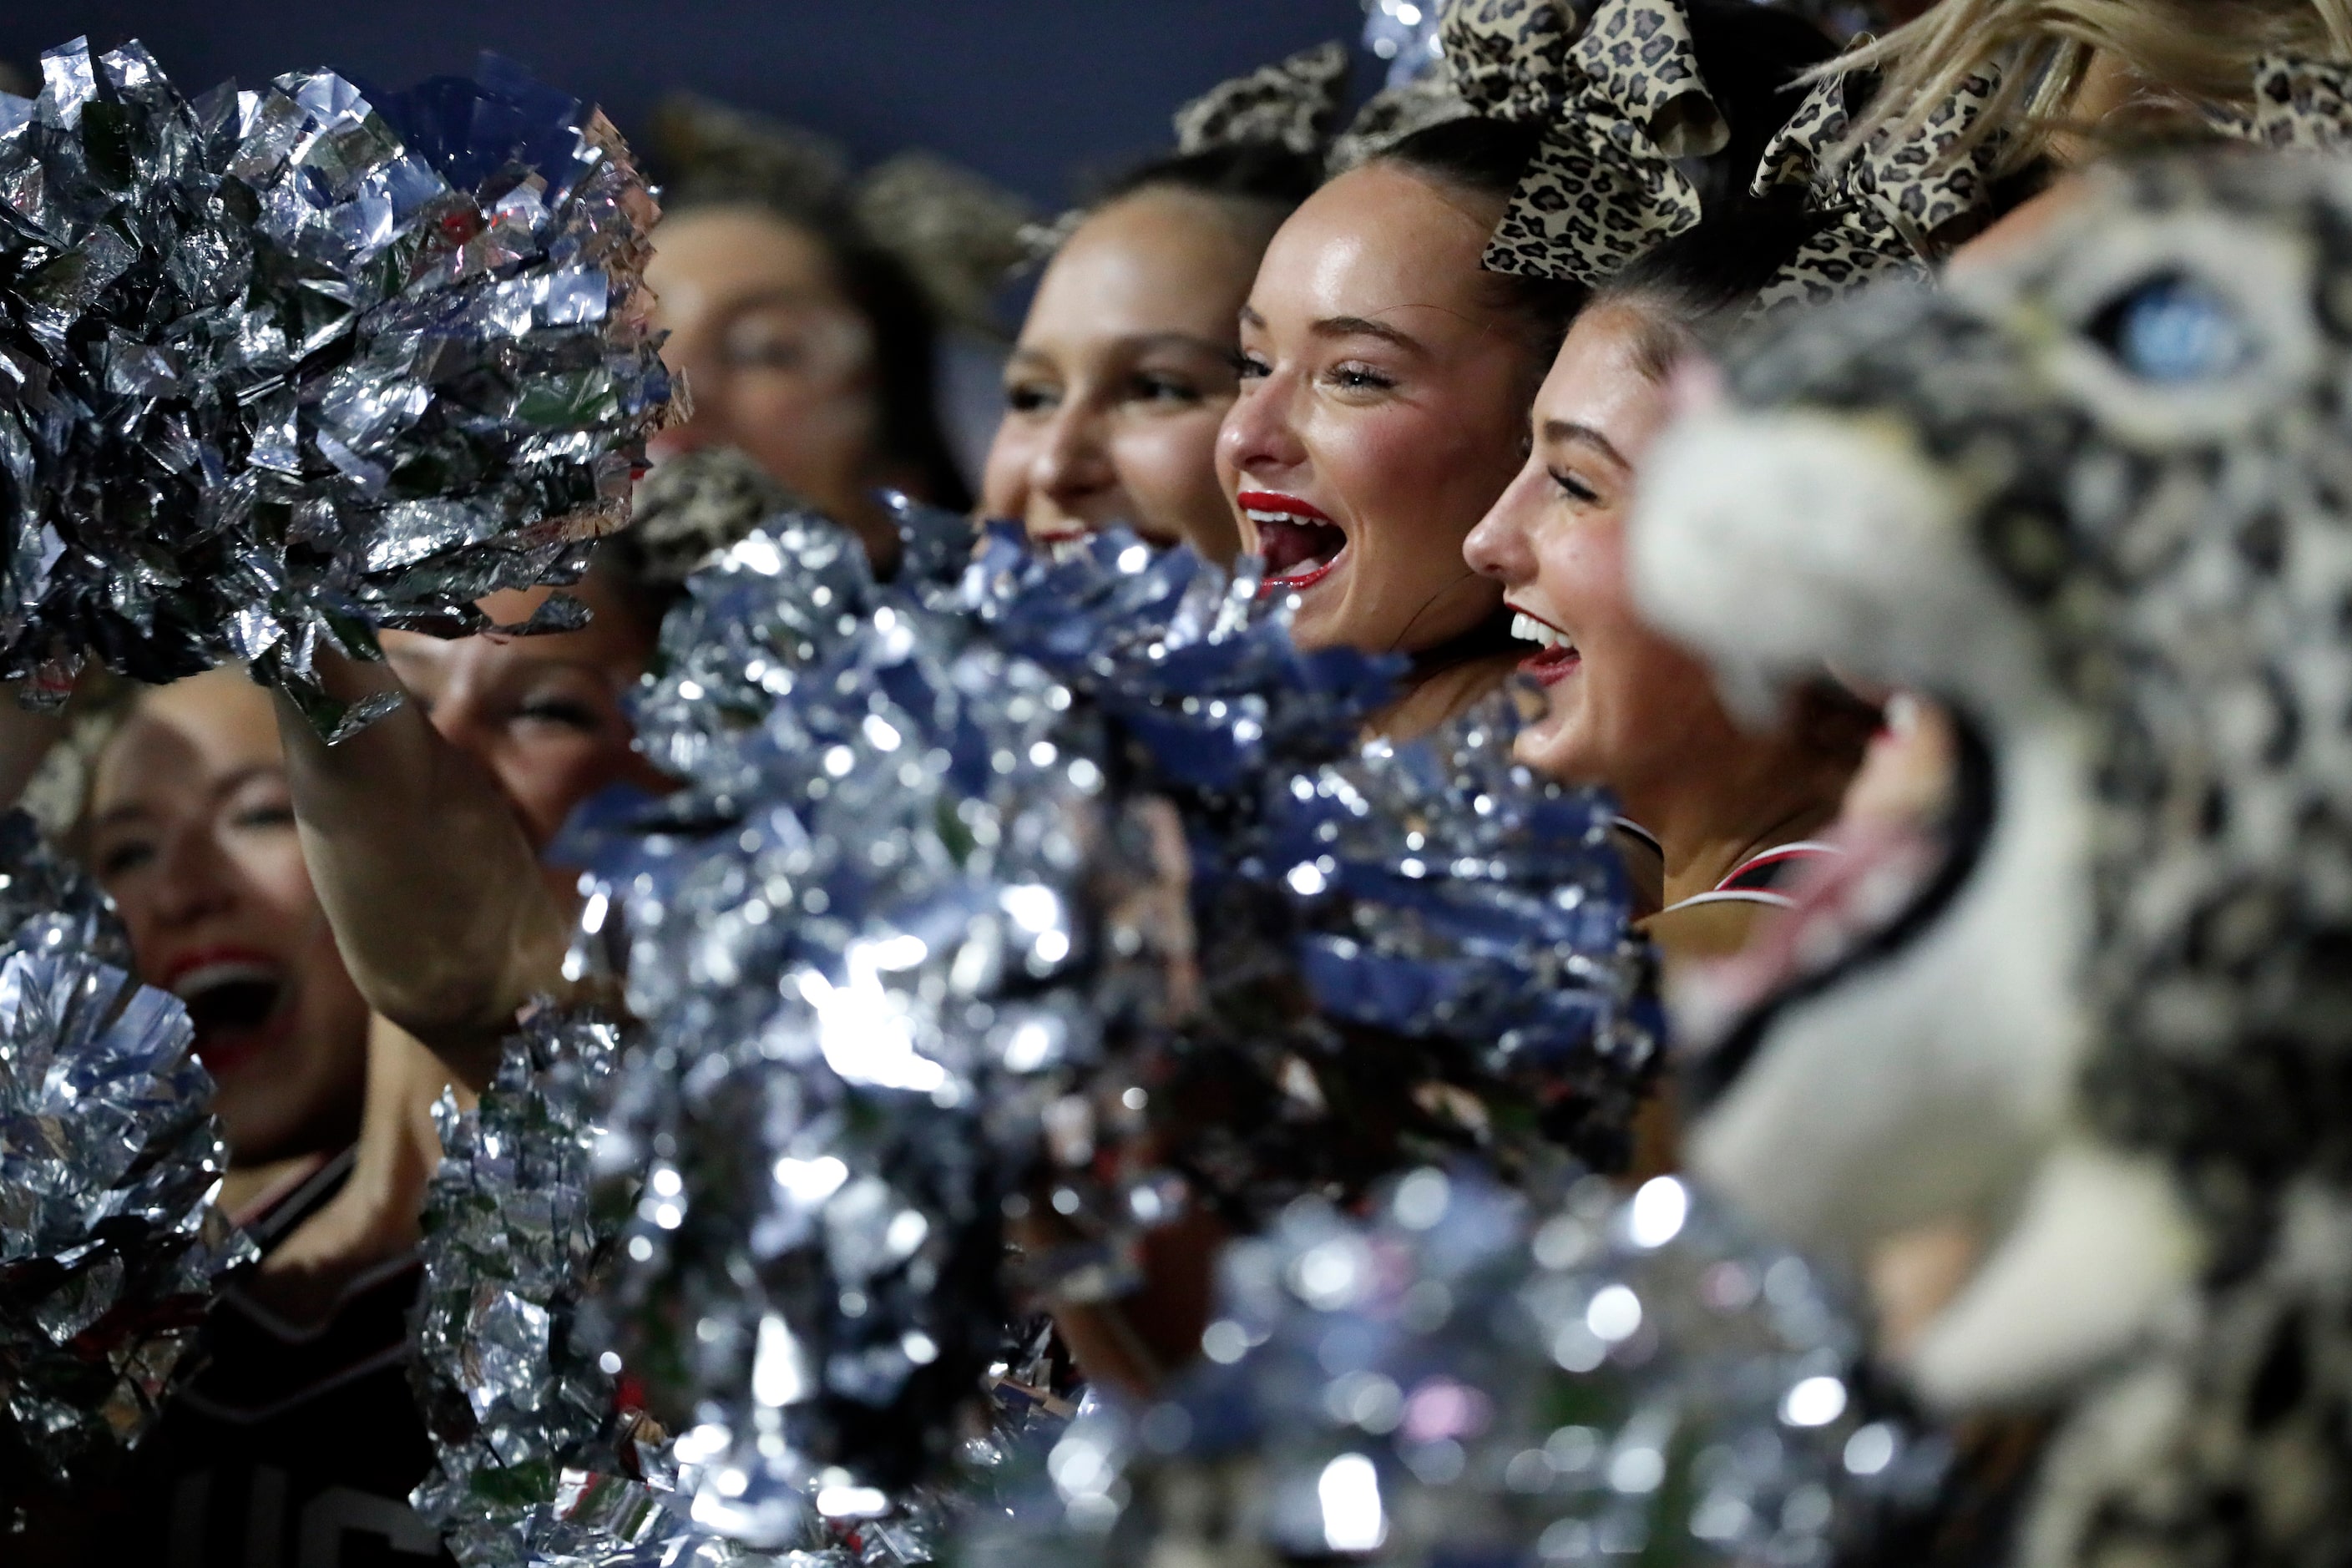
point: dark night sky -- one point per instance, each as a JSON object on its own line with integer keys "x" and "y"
{"x": 1027, "y": 91}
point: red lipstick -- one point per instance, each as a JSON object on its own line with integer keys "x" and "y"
{"x": 1300, "y": 542}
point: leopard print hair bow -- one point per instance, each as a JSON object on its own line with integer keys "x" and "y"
{"x": 2299, "y": 105}
{"x": 1619, "y": 99}
{"x": 1294, "y": 102}
{"x": 1893, "y": 204}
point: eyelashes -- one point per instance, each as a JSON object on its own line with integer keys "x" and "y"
{"x": 1575, "y": 488}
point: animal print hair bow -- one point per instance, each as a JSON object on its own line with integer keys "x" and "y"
{"x": 1894, "y": 202}
{"x": 1619, "y": 99}
{"x": 1295, "y": 103}
{"x": 2299, "y": 105}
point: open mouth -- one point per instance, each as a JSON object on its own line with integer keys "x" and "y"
{"x": 236, "y": 1003}
{"x": 1890, "y": 882}
{"x": 1299, "y": 543}
{"x": 1060, "y": 545}
{"x": 1555, "y": 657}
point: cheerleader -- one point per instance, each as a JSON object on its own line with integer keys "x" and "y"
{"x": 808, "y": 309}
{"x": 1736, "y": 810}
{"x": 1127, "y": 361}
{"x": 294, "y": 1435}
{"x": 1387, "y": 364}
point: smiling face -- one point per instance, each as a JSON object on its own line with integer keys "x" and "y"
{"x": 1382, "y": 408}
{"x": 192, "y": 832}
{"x": 1126, "y": 365}
{"x": 542, "y": 714}
{"x": 1623, "y": 706}
{"x": 779, "y": 363}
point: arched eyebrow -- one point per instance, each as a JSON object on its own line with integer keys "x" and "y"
{"x": 1145, "y": 343}
{"x": 1350, "y": 326}
{"x": 1560, "y": 431}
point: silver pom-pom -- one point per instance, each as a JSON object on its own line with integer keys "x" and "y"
{"x": 961, "y": 865}
{"x": 861, "y": 994}
{"x": 277, "y": 367}
{"x": 111, "y": 1249}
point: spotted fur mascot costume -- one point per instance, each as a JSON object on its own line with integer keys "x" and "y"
{"x": 2093, "y": 498}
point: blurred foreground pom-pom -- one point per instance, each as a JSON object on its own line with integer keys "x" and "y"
{"x": 111, "y": 1249}
{"x": 1464, "y": 1375}
{"x": 278, "y": 367}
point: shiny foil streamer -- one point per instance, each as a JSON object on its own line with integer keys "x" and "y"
{"x": 776, "y": 593}
{"x": 1401, "y": 950}
{"x": 539, "y": 1461}
{"x": 931, "y": 911}
{"x": 1448, "y": 895}
{"x": 513, "y": 1238}
{"x": 865, "y": 971}
{"x": 36, "y": 885}
{"x": 110, "y": 1250}
{"x": 278, "y": 367}
{"x": 1464, "y": 1377}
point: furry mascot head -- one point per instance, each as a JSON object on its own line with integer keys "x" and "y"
{"x": 2097, "y": 499}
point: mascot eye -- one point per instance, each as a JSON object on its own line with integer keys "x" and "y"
{"x": 2174, "y": 328}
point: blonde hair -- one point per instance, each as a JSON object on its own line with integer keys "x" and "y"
{"x": 2182, "y": 55}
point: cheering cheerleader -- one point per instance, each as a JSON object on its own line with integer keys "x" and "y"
{"x": 1386, "y": 373}
{"x": 1735, "y": 808}
{"x": 1127, "y": 359}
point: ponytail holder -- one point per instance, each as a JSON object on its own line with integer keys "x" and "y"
{"x": 1293, "y": 102}
{"x": 1619, "y": 101}
{"x": 1893, "y": 204}
{"x": 2299, "y": 105}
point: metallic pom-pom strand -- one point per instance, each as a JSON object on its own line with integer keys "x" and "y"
{"x": 512, "y": 1239}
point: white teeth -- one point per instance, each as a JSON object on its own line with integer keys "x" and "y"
{"x": 210, "y": 976}
{"x": 1256, "y": 516}
{"x": 1527, "y": 628}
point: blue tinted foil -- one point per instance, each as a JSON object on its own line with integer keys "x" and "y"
{"x": 982, "y": 894}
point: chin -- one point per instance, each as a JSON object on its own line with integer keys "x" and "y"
{"x": 1542, "y": 747}
{"x": 1312, "y": 631}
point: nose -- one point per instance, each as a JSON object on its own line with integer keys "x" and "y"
{"x": 196, "y": 882}
{"x": 1259, "y": 438}
{"x": 1501, "y": 546}
{"x": 1072, "y": 465}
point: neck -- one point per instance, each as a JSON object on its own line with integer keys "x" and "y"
{"x": 374, "y": 1216}
{"x": 245, "y": 1187}
{"x": 1439, "y": 685}
{"x": 1721, "y": 817}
